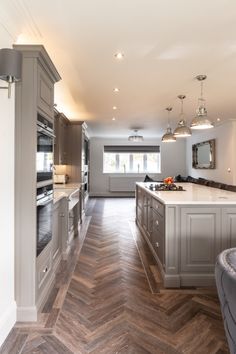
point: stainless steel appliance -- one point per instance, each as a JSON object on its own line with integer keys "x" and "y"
{"x": 44, "y": 216}
{"x": 44, "y": 160}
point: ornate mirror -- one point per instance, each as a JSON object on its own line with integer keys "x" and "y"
{"x": 204, "y": 154}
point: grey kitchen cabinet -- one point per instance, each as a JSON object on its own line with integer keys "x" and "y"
{"x": 139, "y": 205}
{"x": 147, "y": 214}
{"x": 185, "y": 239}
{"x": 57, "y": 234}
{"x": 44, "y": 272}
{"x": 34, "y": 95}
{"x": 60, "y": 141}
{"x": 158, "y": 234}
{"x": 229, "y": 227}
{"x": 45, "y": 96}
{"x": 200, "y": 238}
{"x": 78, "y": 158}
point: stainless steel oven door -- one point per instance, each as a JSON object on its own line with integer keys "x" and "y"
{"x": 44, "y": 160}
{"x": 44, "y": 217}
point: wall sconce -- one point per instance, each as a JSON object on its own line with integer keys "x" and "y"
{"x": 10, "y": 67}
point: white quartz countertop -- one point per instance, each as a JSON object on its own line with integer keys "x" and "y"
{"x": 65, "y": 190}
{"x": 193, "y": 194}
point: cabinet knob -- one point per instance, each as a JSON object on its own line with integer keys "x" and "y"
{"x": 45, "y": 270}
{"x": 157, "y": 222}
{"x": 157, "y": 244}
{"x": 62, "y": 215}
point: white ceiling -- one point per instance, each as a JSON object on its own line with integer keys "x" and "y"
{"x": 165, "y": 43}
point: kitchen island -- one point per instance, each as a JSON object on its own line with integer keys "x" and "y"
{"x": 186, "y": 230}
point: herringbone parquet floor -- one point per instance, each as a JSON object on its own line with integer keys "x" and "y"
{"x": 102, "y": 303}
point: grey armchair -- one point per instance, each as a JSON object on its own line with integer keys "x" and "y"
{"x": 225, "y": 273}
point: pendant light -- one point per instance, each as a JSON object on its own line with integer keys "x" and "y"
{"x": 135, "y": 138}
{"x": 182, "y": 129}
{"x": 168, "y": 137}
{"x": 201, "y": 121}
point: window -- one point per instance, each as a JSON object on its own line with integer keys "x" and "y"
{"x": 131, "y": 159}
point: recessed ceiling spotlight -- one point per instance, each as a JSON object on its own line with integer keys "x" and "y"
{"x": 113, "y": 118}
{"x": 119, "y": 56}
{"x": 114, "y": 108}
{"x": 218, "y": 119}
{"x": 116, "y": 89}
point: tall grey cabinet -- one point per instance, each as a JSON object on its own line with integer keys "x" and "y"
{"x": 78, "y": 157}
{"x": 34, "y": 95}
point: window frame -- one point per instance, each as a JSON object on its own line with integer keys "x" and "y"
{"x": 131, "y": 162}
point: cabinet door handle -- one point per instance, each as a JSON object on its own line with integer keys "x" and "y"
{"x": 157, "y": 244}
{"x": 157, "y": 222}
{"x": 45, "y": 270}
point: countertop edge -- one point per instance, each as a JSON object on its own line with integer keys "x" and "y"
{"x": 188, "y": 202}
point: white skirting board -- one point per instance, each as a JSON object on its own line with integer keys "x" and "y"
{"x": 7, "y": 321}
{"x": 123, "y": 183}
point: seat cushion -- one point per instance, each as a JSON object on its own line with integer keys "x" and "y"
{"x": 148, "y": 179}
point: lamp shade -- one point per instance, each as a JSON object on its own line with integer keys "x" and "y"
{"x": 201, "y": 121}
{"x": 135, "y": 138}
{"x": 168, "y": 137}
{"x": 182, "y": 130}
{"x": 10, "y": 64}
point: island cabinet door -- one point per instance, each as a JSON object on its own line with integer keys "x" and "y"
{"x": 200, "y": 238}
{"x": 158, "y": 236}
{"x": 139, "y": 205}
{"x": 147, "y": 214}
{"x": 56, "y": 239}
{"x": 228, "y": 228}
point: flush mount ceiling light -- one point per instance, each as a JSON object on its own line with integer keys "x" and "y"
{"x": 182, "y": 129}
{"x": 114, "y": 108}
{"x": 113, "y": 118}
{"x": 119, "y": 55}
{"x": 135, "y": 138}
{"x": 168, "y": 137}
{"x": 116, "y": 89}
{"x": 10, "y": 67}
{"x": 201, "y": 121}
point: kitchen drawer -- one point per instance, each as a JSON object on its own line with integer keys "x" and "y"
{"x": 44, "y": 267}
{"x": 157, "y": 222}
{"x": 157, "y": 206}
{"x": 158, "y": 244}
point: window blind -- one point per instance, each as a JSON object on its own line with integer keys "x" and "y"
{"x": 116, "y": 149}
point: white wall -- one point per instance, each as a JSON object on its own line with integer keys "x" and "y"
{"x": 173, "y": 162}
{"x": 7, "y": 302}
{"x": 225, "y": 135}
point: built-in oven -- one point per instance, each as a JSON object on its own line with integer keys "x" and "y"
{"x": 44, "y": 159}
{"x": 44, "y": 216}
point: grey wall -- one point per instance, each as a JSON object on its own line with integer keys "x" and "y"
{"x": 173, "y": 162}
{"x": 225, "y": 135}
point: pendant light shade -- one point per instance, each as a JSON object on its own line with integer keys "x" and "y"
{"x": 168, "y": 137}
{"x": 201, "y": 121}
{"x": 182, "y": 129}
{"x": 135, "y": 138}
